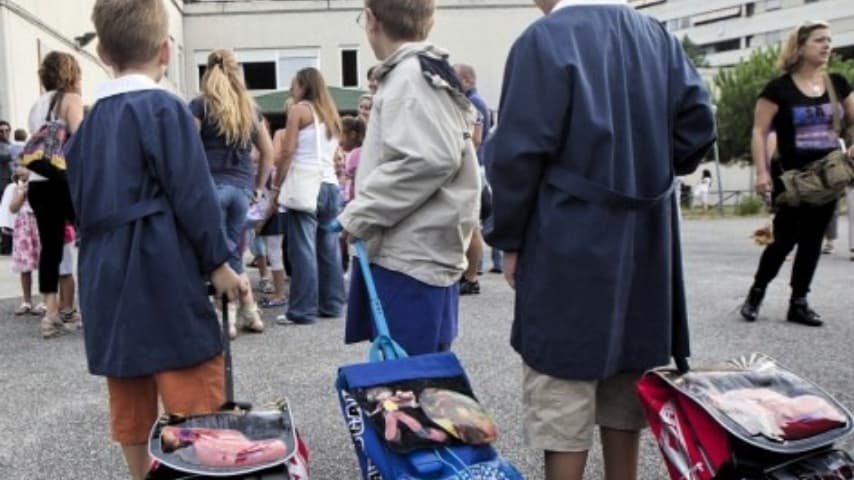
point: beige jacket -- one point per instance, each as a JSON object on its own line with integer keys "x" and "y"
{"x": 417, "y": 185}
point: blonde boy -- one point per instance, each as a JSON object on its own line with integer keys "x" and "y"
{"x": 150, "y": 235}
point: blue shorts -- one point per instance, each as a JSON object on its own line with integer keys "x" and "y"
{"x": 421, "y": 318}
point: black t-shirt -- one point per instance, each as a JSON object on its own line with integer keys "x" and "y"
{"x": 804, "y": 124}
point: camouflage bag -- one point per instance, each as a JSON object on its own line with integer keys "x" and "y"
{"x": 825, "y": 179}
{"x": 820, "y": 182}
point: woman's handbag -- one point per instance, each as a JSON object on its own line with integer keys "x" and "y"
{"x": 302, "y": 183}
{"x": 43, "y": 152}
{"x": 825, "y": 179}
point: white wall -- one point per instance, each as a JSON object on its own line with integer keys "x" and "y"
{"x": 30, "y": 30}
{"x": 480, "y": 36}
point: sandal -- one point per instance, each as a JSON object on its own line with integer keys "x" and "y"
{"x": 273, "y": 303}
{"x": 24, "y": 309}
{"x": 39, "y": 310}
{"x": 251, "y": 319}
{"x": 51, "y": 326}
{"x": 71, "y": 319}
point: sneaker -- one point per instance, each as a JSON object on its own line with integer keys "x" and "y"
{"x": 828, "y": 248}
{"x": 273, "y": 302}
{"x": 51, "y": 326}
{"x": 750, "y": 309}
{"x": 72, "y": 319}
{"x": 800, "y": 312}
{"x": 39, "y": 310}
{"x": 251, "y": 319}
{"x": 468, "y": 287}
{"x": 496, "y": 270}
{"x": 24, "y": 309}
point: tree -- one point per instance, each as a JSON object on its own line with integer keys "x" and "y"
{"x": 694, "y": 52}
{"x": 739, "y": 87}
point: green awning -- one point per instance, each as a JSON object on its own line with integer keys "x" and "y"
{"x": 346, "y": 99}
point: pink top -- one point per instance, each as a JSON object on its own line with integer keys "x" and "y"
{"x": 350, "y": 166}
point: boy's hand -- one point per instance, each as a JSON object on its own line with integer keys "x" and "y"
{"x": 227, "y": 282}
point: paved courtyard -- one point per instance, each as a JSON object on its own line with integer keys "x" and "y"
{"x": 54, "y": 413}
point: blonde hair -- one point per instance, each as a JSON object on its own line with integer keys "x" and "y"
{"x": 315, "y": 92}
{"x": 226, "y": 100}
{"x": 130, "y": 32}
{"x": 407, "y": 20}
{"x": 790, "y": 54}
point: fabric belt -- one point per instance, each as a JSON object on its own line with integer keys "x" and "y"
{"x": 127, "y": 215}
{"x": 594, "y": 193}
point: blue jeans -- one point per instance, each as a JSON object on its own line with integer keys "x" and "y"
{"x": 234, "y": 204}
{"x": 317, "y": 280}
{"x": 497, "y": 263}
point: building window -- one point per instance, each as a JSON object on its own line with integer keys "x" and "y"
{"x": 349, "y": 67}
{"x": 773, "y": 5}
{"x": 259, "y": 75}
{"x": 724, "y": 46}
{"x": 267, "y": 69}
{"x": 290, "y": 64}
{"x": 716, "y": 16}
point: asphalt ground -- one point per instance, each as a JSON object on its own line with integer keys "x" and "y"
{"x": 54, "y": 414}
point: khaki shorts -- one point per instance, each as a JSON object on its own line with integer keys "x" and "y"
{"x": 560, "y": 415}
{"x": 133, "y": 401}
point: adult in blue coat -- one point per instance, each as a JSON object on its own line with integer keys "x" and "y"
{"x": 600, "y": 109}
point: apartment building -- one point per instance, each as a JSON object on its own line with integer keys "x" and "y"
{"x": 729, "y": 30}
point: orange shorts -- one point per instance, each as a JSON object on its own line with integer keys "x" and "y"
{"x": 133, "y": 401}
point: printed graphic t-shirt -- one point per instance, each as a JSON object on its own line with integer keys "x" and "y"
{"x": 804, "y": 124}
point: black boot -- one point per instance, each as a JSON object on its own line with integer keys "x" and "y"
{"x": 800, "y": 312}
{"x": 750, "y": 309}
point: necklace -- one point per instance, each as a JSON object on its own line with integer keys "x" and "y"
{"x": 813, "y": 86}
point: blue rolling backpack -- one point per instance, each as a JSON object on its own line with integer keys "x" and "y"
{"x": 415, "y": 417}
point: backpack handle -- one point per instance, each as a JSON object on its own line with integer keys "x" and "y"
{"x": 383, "y": 346}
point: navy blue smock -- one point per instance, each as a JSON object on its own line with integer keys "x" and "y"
{"x": 599, "y": 107}
{"x": 150, "y": 232}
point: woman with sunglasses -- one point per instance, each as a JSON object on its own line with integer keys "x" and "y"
{"x": 798, "y": 106}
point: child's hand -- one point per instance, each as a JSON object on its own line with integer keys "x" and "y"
{"x": 227, "y": 282}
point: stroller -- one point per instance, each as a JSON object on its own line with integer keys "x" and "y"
{"x": 237, "y": 442}
{"x": 748, "y": 419}
{"x": 415, "y": 417}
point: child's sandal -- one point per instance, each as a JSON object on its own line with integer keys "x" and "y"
{"x": 24, "y": 309}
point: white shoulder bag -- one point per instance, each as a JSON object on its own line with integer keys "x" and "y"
{"x": 302, "y": 183}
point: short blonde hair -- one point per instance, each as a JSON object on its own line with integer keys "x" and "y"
{"x": 404, "y": 20}
{"x": 130, "y": 32}
{"x": 790, "y": 55}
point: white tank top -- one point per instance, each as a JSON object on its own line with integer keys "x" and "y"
{"x": 307, "y": 155}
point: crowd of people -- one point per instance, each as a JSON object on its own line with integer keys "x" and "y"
{"x": 426, "y": 177}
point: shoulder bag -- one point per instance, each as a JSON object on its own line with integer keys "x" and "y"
{"x": 302, "y": 183}
{"x": 825, "y": 179}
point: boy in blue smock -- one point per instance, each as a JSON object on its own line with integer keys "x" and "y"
{"x": 150, "y": 235}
